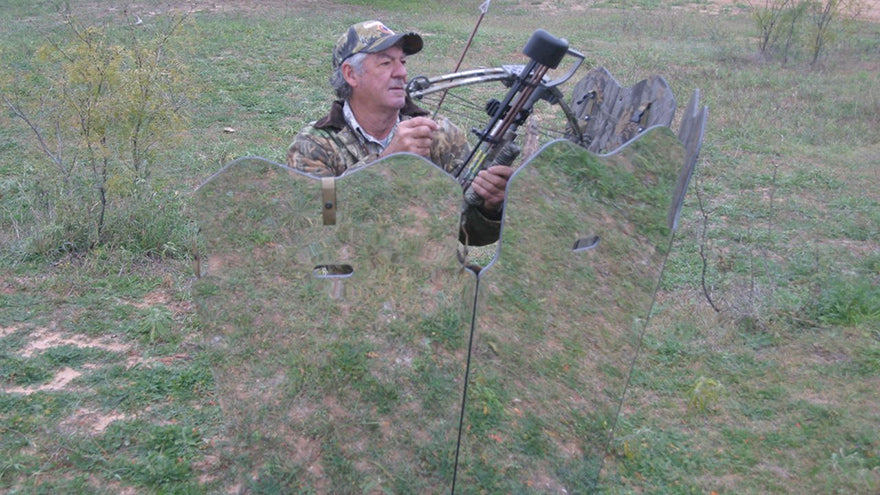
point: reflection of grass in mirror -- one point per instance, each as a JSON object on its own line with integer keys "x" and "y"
{"x": 444, "y": 327}
{"x": 638, "y": 177}
{"x": 705, "y": 394}
{"x": 320, "y": 359}
{"x": 486, "y": 396}
{"x": 559, "y": 328}
{"x": 846, "y": 300}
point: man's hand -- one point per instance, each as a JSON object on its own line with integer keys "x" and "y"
{"x": 413, "y": 136}
{"x": 490, "y": 185}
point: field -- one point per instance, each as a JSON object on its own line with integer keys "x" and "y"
{"x": 759, "y": 370}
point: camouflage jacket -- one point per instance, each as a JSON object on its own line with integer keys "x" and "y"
{"x": 330, "y": 147}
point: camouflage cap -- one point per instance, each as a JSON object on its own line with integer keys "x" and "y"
{"x": 373, "y": 37}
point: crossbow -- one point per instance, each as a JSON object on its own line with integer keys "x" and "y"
{"x": 528, "y": 84}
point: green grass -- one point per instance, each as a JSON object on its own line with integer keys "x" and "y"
{"x": 776, "y": 393}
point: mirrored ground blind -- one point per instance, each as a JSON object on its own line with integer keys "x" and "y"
{"x": 346, "y": 333}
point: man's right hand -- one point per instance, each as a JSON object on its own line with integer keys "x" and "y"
{"x": 491, "y": 184}
{"x": 413, "y": 136}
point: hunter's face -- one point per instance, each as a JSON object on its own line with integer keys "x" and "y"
{"x": 383, "y": 80}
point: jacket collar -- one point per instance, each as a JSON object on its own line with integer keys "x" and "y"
{"x": 336, "y": 119}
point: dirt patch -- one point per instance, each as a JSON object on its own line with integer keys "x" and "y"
{"x": 90, "y": 422}
{"x": 59, "y": 382}
{"x": 4, "y": 331}
{"x": 43, "y": 339}
{"x": 46, "y": 338}
{"x": 869, "y": 10}
{"x": 161, "y": 297}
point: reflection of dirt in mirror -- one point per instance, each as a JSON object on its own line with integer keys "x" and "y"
{"x": 416, "y": 228}
{"x": 559, "y": 327}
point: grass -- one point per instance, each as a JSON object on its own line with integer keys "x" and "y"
{"x": 110, "y": 385}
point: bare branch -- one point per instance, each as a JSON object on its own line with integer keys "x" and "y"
{"x": 36, "y": 130}
{"x": 704, "y": 256}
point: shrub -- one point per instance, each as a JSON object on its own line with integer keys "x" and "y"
{"x": 102, "y": 108}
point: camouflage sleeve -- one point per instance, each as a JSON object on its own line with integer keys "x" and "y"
{"x": 324, "y": 154}
{"x": 313, "y": 154}
{"x": 450, "y": 148}
{"x": 478, "y": 227}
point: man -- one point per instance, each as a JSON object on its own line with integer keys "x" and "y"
{"x": 374, "y": 117}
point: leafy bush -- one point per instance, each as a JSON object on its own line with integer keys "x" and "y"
{"x": 101, "y": 106}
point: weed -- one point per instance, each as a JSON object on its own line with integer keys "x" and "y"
{"x": 845, "y": 300}
{"x": 705, "y": 395}
{"x": 156, "y": 325}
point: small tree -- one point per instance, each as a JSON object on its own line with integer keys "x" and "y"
{"x": 99, "y": 110}
{"x": 767, "y": 19}
{"x": 825, "y": 15}
{"x": 791, "y": 20}
{"x": 778, "y": 23}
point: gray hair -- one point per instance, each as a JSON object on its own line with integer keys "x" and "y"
{"x": 337, "y": 81}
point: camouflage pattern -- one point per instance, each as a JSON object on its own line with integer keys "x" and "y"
{"x": 330, "y": 147}
{"x": 328, "y": 152}
{"x": 611, "y": 115}
{"x": 373, "y": 37}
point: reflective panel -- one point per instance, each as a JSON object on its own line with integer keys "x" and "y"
{"x": 343, "y": 328}
{"x": 338, "y": 340}
{"x": 561, "y": 311}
